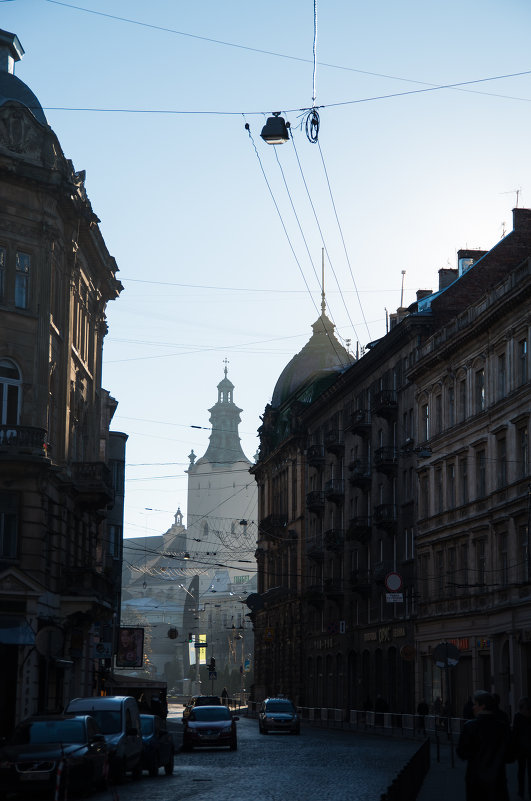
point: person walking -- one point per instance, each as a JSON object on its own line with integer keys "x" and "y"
{"x": 522, "y": 745}
{"x": 485, "y": 742}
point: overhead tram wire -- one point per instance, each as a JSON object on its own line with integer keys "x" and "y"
{"x": 342, "y": 67}
{"x": 343, "y": 238}
{"x": 248, "y": 129}
{"x": 322, "y": 236}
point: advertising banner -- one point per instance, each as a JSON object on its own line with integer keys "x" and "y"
{"x": 130, "y": 647}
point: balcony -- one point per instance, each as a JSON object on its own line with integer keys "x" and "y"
{"x": 360, "y": 584}
{"x": 273, "y": 525}
{"x": 92, "y": 482}
{"x": 22, "y": 442}
{"x": 334, "y": 441}
{"x": 315, "y": 501}
{"x": 386, "y": 459}
{"x": 386, "y": 403}
{"x": 315, "y": 455}
{"x": 315, "y": 549}
{"x": 385, "y": 515}
{"x": 333, "y": 588}
{"x": 360, "y": 473}
{"x": 360, "y": 422}
{"x": 314, "y": 594}
{"x": 334, "y": 539}
{"x": 359, "y": 529}
{"x": 83, "y": 587}
{"x": 335, "y": 490}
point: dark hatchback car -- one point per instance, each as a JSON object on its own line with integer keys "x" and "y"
{"x": 278, "y": 714}
{"x": 210, "y": 727}
{"x": 40, "y": 745}
{"x": 157, "y": 745}
{"x": 201, "y": 700}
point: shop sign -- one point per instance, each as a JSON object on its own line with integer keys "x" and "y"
{"x": 384, "y": 634}
{"x": 369, "y": 636}
{"x": 399, "y": 631}
{"x": 482, "y": 642}
{"x": 462, "y": 643}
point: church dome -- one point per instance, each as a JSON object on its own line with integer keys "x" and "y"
{"x": 323, "y": 357}
{"x": 12, "y": 89}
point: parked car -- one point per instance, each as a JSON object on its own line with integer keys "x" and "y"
{"x": 42, "y": 745}
{"x": 119, "y": 719}
{"x": 157, "y": 745}
{"x": 210, "y": 726}
{"x": 200, "y": 700}
{"x": 278, "y": 714}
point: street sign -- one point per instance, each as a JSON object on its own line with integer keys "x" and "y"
{"x": 200, "y": 645}
{"x": 394, "y": 597}
{"x": 212, "y": 674}
{"x": 393, "y": 582}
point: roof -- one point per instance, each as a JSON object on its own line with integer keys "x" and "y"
{"x": 322, "y": 357}
{"x": 12, "y": 89}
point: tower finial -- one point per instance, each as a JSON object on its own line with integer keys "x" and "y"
{"x": 323, "y": 302}
{"x": 225, "y": 362}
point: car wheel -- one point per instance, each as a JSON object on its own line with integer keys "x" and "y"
{"x": 234, "y": 745}
{"x": 153, "y": 767}
{"x": 168, "y": 767}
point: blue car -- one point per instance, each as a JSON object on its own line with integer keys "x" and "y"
{"x": 158, "y": 749}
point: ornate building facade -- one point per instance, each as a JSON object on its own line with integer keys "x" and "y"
{"x": 61, "y": 469}
{"x": 388, "y": 486}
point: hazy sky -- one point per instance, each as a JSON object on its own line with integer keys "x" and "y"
{"x": 219, "y": 249}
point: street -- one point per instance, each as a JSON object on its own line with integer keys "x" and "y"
{"x": 328, "y": 765}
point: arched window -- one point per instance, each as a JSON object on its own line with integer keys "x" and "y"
{"x": 10, "y": 384}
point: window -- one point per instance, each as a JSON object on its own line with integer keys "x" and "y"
{"x": 502, "y": 376}
{"x": 409, "y": 544}
{"x": 501, "y": 461}
{"x": 438, "y": 490}
{"x": 464, "y": 565}
{"x": 481, "y": 561}
{"x": 480, "y": 391}
{"x": 8, "y": 525}
{"x": 424, "y": 495}
{"x": 481, "y": 474}
{"x": 463, "y": 479}
{"x": 522, "y": 446}
{"x": 9, "y": 393}
{"x": 438, "y": 413}
{"x": 115, "y": 541}
{"x": 22, "y": 280}
{"x": 424, "y": 423}
{"x": 3, "y": 262}
{"x": 522, "y": 361}
{"x": 450, "y": 486}
{"x": 503, "y": 576}
{"x": 462, "y": 400}
{"x": 450, "y": 572}
{"x": 439, "y": 570}
{"x": 451, "y": 406}
{"x": 525, "y": 571}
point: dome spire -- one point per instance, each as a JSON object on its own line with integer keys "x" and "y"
{"x": 323, "y": 301}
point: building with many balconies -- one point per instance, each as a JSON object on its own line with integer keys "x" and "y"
{"x": 61, "y": 469}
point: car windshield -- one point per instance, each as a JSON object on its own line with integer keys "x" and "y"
{"x": 279, "y": 706}
{"x": 146, "y": 724}
{"x": 207, "y": 701}
{"x": 108, "y": 720}
{"x": 221, "y": 713}
{"x": 50, "y": 731}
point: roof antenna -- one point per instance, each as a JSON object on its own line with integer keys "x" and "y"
{"x": 323, "y": 302}
{"x": 402, "y": 292}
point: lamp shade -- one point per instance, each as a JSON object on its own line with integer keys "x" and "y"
{"x": 275, "y": 131}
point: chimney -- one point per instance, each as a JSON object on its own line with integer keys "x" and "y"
{"x": 466, "y": 258}
{"x": 447, "y": 276}
{"x": 10, "y": 51}
{"x": 423, "y": 293}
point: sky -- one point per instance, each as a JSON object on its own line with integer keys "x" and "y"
{"x": 218, "y": 236}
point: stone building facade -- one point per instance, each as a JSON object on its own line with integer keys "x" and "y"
{"x": 368, "y": 555}
{"x": 59, "y": 463}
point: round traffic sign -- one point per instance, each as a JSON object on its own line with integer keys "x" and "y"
{"x": 393, "y": 582}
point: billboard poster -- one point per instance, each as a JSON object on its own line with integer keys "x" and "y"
{"x": 202, "y": 651}
{"x": 130, "y": 647}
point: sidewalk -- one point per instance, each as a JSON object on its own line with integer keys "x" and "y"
{"x": 445, "y": 783}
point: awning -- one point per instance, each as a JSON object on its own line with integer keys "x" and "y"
{"x": 15, "y": 631}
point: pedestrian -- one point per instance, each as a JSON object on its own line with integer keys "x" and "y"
{"x": 522, "y": 744}
{"x": 485, "y": 742}
{"x": 224, "y": 696}
{"x": 422, "y": 710}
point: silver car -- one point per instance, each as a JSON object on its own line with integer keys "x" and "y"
{"x": 278, "y": 714}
